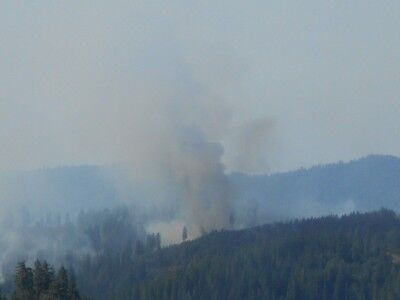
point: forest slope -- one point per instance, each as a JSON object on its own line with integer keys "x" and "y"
{"x": 348, "y": 257}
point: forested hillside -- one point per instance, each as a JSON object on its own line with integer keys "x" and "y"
{"x": 349, "y": 257}
{"x": 355, "y": 256}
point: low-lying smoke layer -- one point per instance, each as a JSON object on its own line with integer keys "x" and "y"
{"x": 60, "y": 240}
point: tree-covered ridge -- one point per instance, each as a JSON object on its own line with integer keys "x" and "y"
{"x": 349, "y": 257}
{"x": 364, "y": 184}
{"x": 361, "y": 185}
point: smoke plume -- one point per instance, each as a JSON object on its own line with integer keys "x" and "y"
{"x": 197, "y": 168}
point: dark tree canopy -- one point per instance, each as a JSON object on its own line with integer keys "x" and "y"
{"x": 41, "y": 284}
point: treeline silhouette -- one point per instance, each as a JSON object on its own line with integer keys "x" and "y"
{"x": 350, "y": 257}
{"x": 355, "y": 256}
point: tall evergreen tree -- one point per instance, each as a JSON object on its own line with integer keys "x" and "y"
{"x": 23, "y": 283}
{"x": 59, "y": 287}
{"x": 184, "y": 234}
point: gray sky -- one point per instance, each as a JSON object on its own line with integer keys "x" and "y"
{"x": 90, "y": 81}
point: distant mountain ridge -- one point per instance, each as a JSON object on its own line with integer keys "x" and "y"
{"x": 364, "y": 184}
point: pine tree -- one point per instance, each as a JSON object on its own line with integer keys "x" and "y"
{"x": 62, "y": 283}
{"x": 40, "y": 279}
{"x": 49, "y": 275}
{"x": 23, "y": 283}
{"x": 158, "y": 241}
{"x": 184, "y": 234}
{"x": 59, "y": 287}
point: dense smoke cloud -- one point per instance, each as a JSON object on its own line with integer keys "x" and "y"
{"x": 196, "y": 165}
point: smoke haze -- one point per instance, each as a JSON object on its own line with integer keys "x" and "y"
{"x": 81, "y": 79}
{"x": 171, "y": 98}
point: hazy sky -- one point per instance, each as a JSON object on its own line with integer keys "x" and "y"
{"x": 78, "y": 79}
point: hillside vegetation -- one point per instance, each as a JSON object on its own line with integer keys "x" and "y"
{"x": 348, "y": 257}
